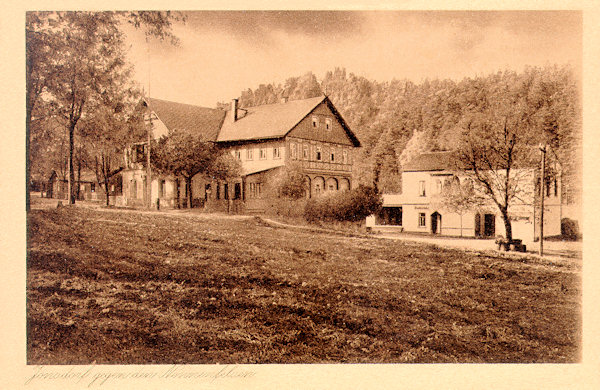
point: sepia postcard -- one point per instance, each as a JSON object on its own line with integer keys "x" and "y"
{"x": 353, "y": 196}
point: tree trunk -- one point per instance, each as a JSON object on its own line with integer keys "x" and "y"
{"x": 177, "y": 203}
{"x": 507, "y": 225}
{"x": 106, "y": 191}
{"x": 27, "y": 167}
{"x": 188, "y": 184}
{"x": 71, "y": 179}
{"x": 78, "y": 188}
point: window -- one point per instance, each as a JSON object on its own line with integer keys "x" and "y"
{"x": 345, "y": 157}
{"x": 293, "y": 151}
{"x": 256, "y": 190}
{"x": 555, "y": 187}
{"x": 139, "y": 153}
{"x": 422, "y": 188}
{"x": 226, "y": 191}
{"x": 305, "y": 152}
{"x": 93, "y": 187}
{"x": 318, "y": 153}
{"x": 438, "y": 184}
{"x": 328, "y": 123}
{"x": 317, "y": 188}
{"x": 218, "y": 191}
{"x": 421, "y": 219}
{"x": 276, "y": 152}
{"x": 547, "y": 187}
{"x": 249, "y": 154}
{"x": 262, "y": 153}
{"x": 238, "y": 154}
{"x": 315, "y": 122}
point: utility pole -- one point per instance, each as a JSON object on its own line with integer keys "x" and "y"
{"x": 148, "y": 168}
{"x": 542, "y": 185}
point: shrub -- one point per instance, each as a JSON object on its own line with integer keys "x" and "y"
{"x": 354, "y": 205}
{"x": 569, "y": 229}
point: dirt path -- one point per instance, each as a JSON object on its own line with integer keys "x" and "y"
{"x": 554, "y": 250}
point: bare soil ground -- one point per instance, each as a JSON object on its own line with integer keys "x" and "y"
{"x": 132, "y": 287}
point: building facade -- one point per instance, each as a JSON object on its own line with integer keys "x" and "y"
{"x": 307, "y": 134}
{"x": 420, "y": 209}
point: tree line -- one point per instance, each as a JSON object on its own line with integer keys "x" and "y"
{"x": 397, "y": 119}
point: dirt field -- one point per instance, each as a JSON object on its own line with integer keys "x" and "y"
{"x": 133, "y": 287}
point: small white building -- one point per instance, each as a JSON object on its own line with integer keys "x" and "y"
{"x": 419, "y": 208}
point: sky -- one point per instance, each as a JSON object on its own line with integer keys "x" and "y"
{"x": 222, "y": 53}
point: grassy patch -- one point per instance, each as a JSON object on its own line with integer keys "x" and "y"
{"x": 130, "y": 287}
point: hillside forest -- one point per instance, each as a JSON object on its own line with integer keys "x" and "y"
{"x": 395, "y": 120}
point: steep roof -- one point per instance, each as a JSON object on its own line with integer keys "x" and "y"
{"x": 267, "y": 121}
{"x": 433, "y": 161}
{"x": 202, "y": 121}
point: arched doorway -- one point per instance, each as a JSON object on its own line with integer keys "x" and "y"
{"x": 344, "y": 184}
{"x": 318, "y": 186}
{"x": 436, "y": 223}
{"x": 331, "y": 184}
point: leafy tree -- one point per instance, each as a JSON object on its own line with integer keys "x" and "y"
{"x": 183, "y": 155}
{"x": 291, "y": 183}
{"x": 496, "y": 146}
{"x": 73, "y": 58}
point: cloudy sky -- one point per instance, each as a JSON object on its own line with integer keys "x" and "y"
{"x": 223, "y": 52}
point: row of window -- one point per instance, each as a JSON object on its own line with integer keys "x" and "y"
{"x": 262, "y": 154}
{"x": 302, "y": 152}
{"x": 316, "y": 123}
{"x": 439, "y": 186}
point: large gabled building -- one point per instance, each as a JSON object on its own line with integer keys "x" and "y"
{"x": 310, "y": 134}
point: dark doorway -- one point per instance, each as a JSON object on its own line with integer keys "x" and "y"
{"x": 489, "y": 225}
{"x": 436, "y": 223}
{"x": 237, "y": 191}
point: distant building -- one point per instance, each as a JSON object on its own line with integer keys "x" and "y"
{"x": 308, "y": 133}
{"x": 88, "y": 187}
{"x": 418, "y": 208}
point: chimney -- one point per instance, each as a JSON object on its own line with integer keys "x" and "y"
{"x": 234, "y": 110}
{"x": 284, "y": 99}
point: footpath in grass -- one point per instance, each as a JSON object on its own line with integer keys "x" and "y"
{"x": 134, "y": 287}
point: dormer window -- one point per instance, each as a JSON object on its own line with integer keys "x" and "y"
{"x": 315, "y": 122}
{"x": 328, "y": 123}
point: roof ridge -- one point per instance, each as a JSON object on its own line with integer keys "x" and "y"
{"x": 289, "y": 101}
{"x": 184, "y": 104}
